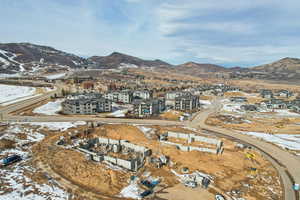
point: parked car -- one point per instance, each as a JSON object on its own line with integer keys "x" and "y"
{"x": 11, "y": 159}
{"x": 220, "y": 197}
{"x": 145, "y": 193}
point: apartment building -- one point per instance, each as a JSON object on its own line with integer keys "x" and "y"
{"x": 187, "y": 103}
{"x": 119, "y": 96}
{"x": 145, "y": 108}
{"x": 143, "y": 94}
{"x": 85, "y": 105}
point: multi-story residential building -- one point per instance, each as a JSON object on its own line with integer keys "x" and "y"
{"x": 174, "y": 94}
{"x": 89, "y": 104}
{"x": 238, "y": 99}
{"x": 284, "y": 93}
{"x": 145, "y": 108}
{"x": 274, "y": 104}
{"x": 119, "y": 96}
{"x": 187, "y": 103}
{"x": 90, "y": 95}
{"x": 268, "y": 94}
{"x": 143, "y": 94}
{"x": 170, "y": 97}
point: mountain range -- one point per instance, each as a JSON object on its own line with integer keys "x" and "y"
{"x": 16, "y": 57}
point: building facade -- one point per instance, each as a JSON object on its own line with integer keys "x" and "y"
{"x": 146, "y": 108}
{"x": 85, "y": 105}
{"x": 143, "y": 94}
{"x": 186, "y": 103}
{"x": 119, "y": 96}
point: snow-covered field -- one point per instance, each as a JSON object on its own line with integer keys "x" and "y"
{"x": 131, "y": 191}
{"x": 55, "y": 126}
{"x": 119, "y": 110}
{"x": 55, "y": 76}
{"x": 11, "y": 92}
{"x": 148, "y": 132}
{"x": 119, "y": 113}
{"x": 205, "y": 103}
{"x": 232, "y": 108}
{"x": 288, "y": 141}
{"x": 15, "y": 179}
{"x": 286, "y": 113}
{"x": 50, "y": 108}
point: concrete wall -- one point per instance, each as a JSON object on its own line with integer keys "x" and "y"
{"x": 127, "y": 164}
{"x": 193, "y": 137}
{"x": 191, "y": 148}
{"x": 86, "y": 151}
{"x": 125, "y": 143}
{"x": 133, "y": 165}
{"x": 202, "y": 149}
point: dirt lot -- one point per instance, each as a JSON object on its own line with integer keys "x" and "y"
{"x": 180, "y": 192}
{"x": 85, "y": 179}
{"x": 232, "y": 171}
{"x": 171, "y": 115}
{"x": 267, "y": 125}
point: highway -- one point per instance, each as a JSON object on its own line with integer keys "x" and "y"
{"x": 287, "y": 164}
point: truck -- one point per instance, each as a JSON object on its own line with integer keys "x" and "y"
{"x": 11, "y": 159}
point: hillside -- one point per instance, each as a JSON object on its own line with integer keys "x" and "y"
{"x": 16, "y": 57}
{"x": 283, "y": 69}
{"x": 33, "y": 59}
{"x": 283, "y": 65}
{"x": 116, "y": 60}
{"x": 200, "y": 68}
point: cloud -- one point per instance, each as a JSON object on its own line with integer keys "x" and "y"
{"x": 226, "y": 32}
{"x": 229, "y": 32}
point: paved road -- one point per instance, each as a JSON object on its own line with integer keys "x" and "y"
{"x": 22, "y": 104}
{"x": 11, "y": 118}
{"x": 282, "y": 160}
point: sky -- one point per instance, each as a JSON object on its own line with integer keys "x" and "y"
{"x": 224, "y": 32}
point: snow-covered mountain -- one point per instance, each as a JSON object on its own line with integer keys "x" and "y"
{"x": 26, "y": 57}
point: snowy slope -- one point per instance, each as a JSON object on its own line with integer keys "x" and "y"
{"x": 55, "y": 126}
{"x": 16, "y": 183}
{"x": 51, "y": 108}
{"x": 55, "y": 76}
{"x": 12, "y": 92}
{"x": 291, "y": 142}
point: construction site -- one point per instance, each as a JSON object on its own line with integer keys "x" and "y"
{"x": 103, "y": 160}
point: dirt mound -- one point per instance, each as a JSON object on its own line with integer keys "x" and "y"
{"x": 6, "y": 144}
{"x": 75, "y": 167}
{"x": 234, "y": 94}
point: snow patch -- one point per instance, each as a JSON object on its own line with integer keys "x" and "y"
{"x": 14, "y": 179}
{"x": 55, "y": 76}
{"x": 291, "y": 142}
{"x": 126, "y": 65}
{"x": 12, "y": 92}
{"x": 285, "y": 112}
{"x": 119, "y": 113}
{"x": 205, "y": 102}
{"x": 131, "y": 191}
{"x": 55, "y": 126}
{"x": 51, "y": 108}
{"x": 19, "y": 99}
